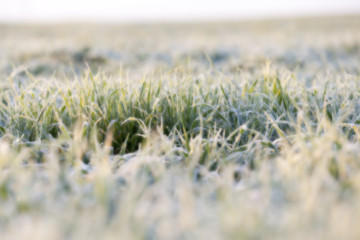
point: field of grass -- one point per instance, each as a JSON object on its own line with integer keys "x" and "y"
{"x": 246, "y": 130}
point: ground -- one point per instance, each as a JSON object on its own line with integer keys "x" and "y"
{"x": 232, "y": 130}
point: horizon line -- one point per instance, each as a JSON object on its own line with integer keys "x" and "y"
{"x": 194, "y": 19}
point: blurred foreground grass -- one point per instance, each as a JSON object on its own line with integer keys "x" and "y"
{"x": 195, "y": 131}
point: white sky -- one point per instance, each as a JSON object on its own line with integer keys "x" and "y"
{"x": 166, "y": 10}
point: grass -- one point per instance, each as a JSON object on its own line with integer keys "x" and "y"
{"x": 186, "y": 140}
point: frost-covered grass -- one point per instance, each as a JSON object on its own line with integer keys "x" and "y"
{"x": 220, "y": 131}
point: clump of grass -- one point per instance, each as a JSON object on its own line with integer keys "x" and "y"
{"x": 248, "y": 158}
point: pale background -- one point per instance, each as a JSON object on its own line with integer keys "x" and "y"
{"x": 166, "y": 10}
